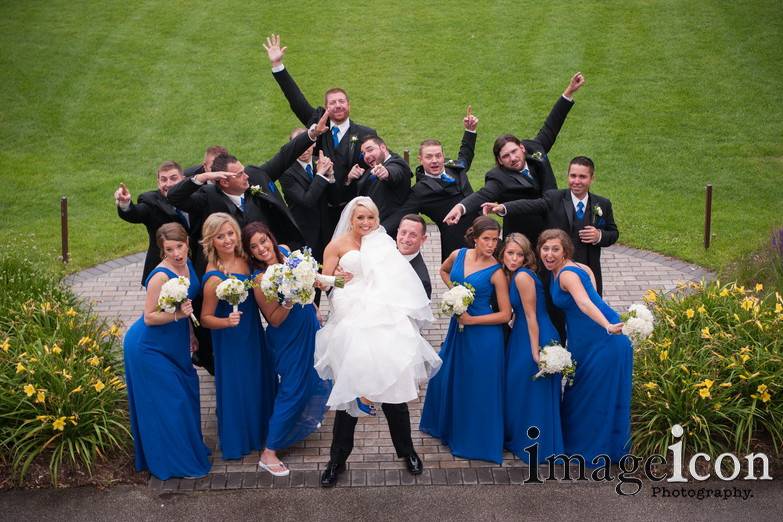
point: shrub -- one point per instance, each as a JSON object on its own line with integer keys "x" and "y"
{"x": 61, "y": 390}
{"x": 764, "y": 266}
{"x": 714, "y": 364}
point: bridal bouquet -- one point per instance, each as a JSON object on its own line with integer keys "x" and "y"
{"x": 553, "y": 358}
{"x": 293, "y": 282}
{"x": 457, "y": 299}
{"x": 639, "y": 323}
{"x": 173, "y": 293}
{"x": 233, "y": 290}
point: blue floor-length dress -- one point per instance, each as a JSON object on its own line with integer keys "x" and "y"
{"x": 300, "y": 401}
{"x": 163, "y": 395}
{"x": 244, "y": 378}
{"x": 596, "y": 410}
{"x": 531, "y": 402}
{"x": 464, "y": 402}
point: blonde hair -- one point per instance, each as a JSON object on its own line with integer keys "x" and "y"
{"x": 209, "y": 231}
{"x": 527, "y": 250}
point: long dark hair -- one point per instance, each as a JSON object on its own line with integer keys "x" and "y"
{"x": 480, "y": 225}
{"x": 250, "y": 230}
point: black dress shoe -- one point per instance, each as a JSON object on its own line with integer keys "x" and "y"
{"x": 330, "y": 474}
{"x": 414, "y": 464}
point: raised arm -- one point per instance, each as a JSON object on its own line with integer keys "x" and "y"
{"x": 468, "y": 145}
{"x": 296, "y": 99}
{"x": 125, "y": 207}
{"x": 554, "y": 121}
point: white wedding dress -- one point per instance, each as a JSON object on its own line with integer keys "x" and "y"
{"x": 370, "y": 346}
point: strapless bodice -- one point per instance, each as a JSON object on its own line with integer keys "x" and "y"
{"x": 352, "y": 262}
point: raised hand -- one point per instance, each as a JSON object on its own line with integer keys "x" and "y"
{"x": 577, "y": 80}
{"x": 121, "y": 196}
{"x": 452, "y": 218}
{"x": 493, "y": 208}
{"x": 214, "y": 176}
{"x": 273, "y": 50}
{"x": 323, "y": 124}
{"x": 354, "y": 174}
{"x": 324, "y": 165}
{"x": 380, "y": 172}
{"x": 470, "y": 121}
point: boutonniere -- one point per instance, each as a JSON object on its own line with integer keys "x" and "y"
{"x": 537, "y": 155}
{"x": 354, "y": 139}
{"x": 597, "y": 211}
{"x": 454, "y": 164}
{"x": 256, "y": 190}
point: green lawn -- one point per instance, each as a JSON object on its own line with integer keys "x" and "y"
{"x": 678, "y": 94}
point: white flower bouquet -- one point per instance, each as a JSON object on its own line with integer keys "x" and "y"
{"x": 639, "y": 323}
{"x": 173, "y": 293}
{"x": 293, "y": 282}
{"x": 457, "y": 299}
{"x": 233, "y": 290}
{"x": 553, "y": 358}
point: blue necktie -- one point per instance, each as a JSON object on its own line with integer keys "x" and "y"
{"x": 272, "y": 187}
{"x": 445, "y": 177}
{"x": 580, "y": 211}
{"x": 335, "y": 139}
{"x": 242, "y": 203}
{"x": 526, "y": 174}
{"x": 309, "y": 170}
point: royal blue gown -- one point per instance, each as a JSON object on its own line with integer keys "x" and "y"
{"x": 300, "y": 402}
{"x": 464, "y": 402}
{"x": 596, "y": 410}
{"x": 531, "y": 402}
{"x": 244, "y": 378}
{"x": 163, "y": 395}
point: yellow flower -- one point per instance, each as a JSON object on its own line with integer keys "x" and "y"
{"x": 6, "y": 345}
{"x": 745, "y": 358}
{"x": 725, "y": 385}
{"x": 46, "y": 306}
{"x": 67, "y": 376}
{"x": 747, "y": 303}
{"x": 707, "y": 383}
{"x": 704, "y": 393}
{"x": 20, "y": 368}
{"x": 689, "y": 313}
{"x": 70, "y": 312}
{"x": 736, "y": 318}
{"x": 650, "y": 385}
{"x": 73, "y": 419}
{"x": 745, "y": 349}
{"x": 57, "y": 350}
{"x": 684, "y": 368}
{"x": 724, "y": 292}
{"x": 761, "y": 388}
{"x": 765, "y": 397}
{"x": 663, "y": 355}
{"x": 650, "y": 296}
{"x": 114, "y": 331}
{"x": 739, "y": 289}
{"x": 778, "y": 309}
{"x": 759, "y": 287}
{"x": 40, "y": 397}
{"x": 702, "y": 310}
{"x": 78, "y": 389}
{"x": 29, "y": 389}
{"x": 59, "y": 424}
{"x": 94, "y": 360}
{"x": 42, "y": 418}
{"x": 99, "y": 385}
{"x": 705, "y": 333}
{"x": 666, "y": 343}
{"x": 84, "y": 341}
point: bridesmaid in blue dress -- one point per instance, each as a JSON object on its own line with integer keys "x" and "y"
{"x": 244, "y": 379}
{"x": 596, "y": 410}
{"x": 163, "y": 393}
{"x": 300, "y": 402}
{"x": 529, "y": 402}
{"x": 464, "y": 402}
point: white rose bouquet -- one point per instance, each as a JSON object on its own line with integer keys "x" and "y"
{"x": 639, "y": 323}
{"x": 233, "y": 290}
{"x": 457, "y": 299}
{"x": 553, "y": 358}
{"x": 173, "y": 293}
{"x": 293, "y": 282}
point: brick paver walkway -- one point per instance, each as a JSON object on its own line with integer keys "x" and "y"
{"x": 114, "y": 289}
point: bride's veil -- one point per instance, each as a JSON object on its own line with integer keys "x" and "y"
{"x": 344, "y": 225}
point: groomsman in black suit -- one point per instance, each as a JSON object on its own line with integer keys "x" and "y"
{"x": 153, "y": 210}
{"x": 206, "y": 166}
{"x": 411, "y": 235}
{"x": 386, "y": 180}
{"x": 586, "y": 217}
{"x": 522, "y": 170}
{"x": 304, "y": 186}
{"x": 440, "y": 185}
{"x": 341, "y": 144}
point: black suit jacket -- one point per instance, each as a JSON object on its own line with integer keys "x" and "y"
{"x": 306, "y": 199}
{"x": 421, "y": 270}
{"x": 389, "y": 194}
{"x": 502, "y": 185}
{"x": 153, "y": 211}
{"x": 435, "y": 198}
{"x": 558, "y": 210}
{"x": 344, "y": 156}
{"x": 193, "y": 170}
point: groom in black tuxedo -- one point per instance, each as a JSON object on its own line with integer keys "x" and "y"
{"x": 410, "y": 237}
{"x": 522, "y": 170}
{"x": 341, "y": 144}
{"x": 586, "y": 217}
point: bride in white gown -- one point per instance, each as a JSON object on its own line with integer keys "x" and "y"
{"x": 370, "y": 346}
